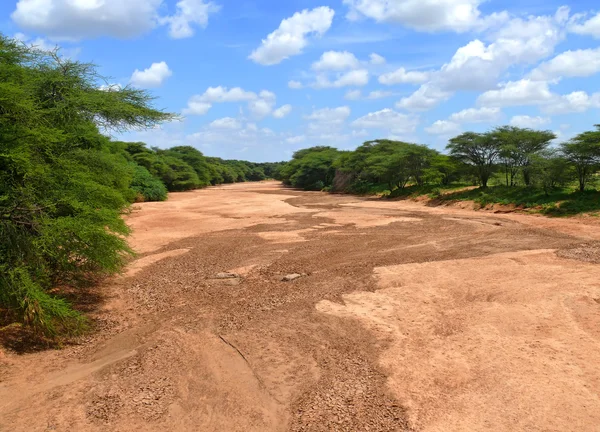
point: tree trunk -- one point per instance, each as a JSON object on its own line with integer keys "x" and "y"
{"x": 526, "y": 177}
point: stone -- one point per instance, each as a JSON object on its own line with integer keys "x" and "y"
{"x": 227, "y": 276}
{"x": 291, "y": 277}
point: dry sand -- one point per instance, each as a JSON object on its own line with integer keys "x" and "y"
{"x": 407, "y": 318}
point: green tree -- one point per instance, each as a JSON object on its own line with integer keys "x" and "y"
{"x": 518, "y": 147}
{"x": 550, "y": 170}
{"x": 583, "y": 152}
{"x": 63, "y": 188}
{"x": 480, "y": 150}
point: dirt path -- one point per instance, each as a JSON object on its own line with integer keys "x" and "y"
{"x": 406, "y": 318}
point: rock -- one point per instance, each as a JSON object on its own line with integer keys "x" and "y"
{"x": 227, "y": 276}
{"x": 291, "y": 277}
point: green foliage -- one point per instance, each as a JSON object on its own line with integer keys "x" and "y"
{"x": 147, "y": 187}
{"x": 518, "y": 147}
{"x": 311, "y": 169}
{"x": 63, "y": 185}
{"x": 479, "y": 150}
{"x": 558, "y": 202}
{"x": 583, "y": 152}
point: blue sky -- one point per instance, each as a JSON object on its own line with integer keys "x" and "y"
{"x": 259, "y": 79}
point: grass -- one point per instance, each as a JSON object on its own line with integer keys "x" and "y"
{"x": 561, "y": 202}
{"x": 433, "y": 191}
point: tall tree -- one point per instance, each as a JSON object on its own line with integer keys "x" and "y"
{"x": 480, "y": 150}
{"x": 62, "y": 188}
{"x": 518, "y": 147}
{"x": 583, "y": 152}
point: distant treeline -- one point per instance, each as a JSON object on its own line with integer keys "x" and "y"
{"x": 507, "y": 155}
{"x": 184, "y": 168}
{"x": 65, "y": 186}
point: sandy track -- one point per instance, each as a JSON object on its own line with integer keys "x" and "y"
{"x": 408, "y": 318}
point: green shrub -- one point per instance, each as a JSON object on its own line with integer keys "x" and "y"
{"x": 149, "y": 188}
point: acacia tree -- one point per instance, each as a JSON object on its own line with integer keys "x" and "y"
{"x": 583, "y": 152}
{"x": 480, "y": 150}
{"x": 62, "y": 189}
{"x": 518, "y": 147}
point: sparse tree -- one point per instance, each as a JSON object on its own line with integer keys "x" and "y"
{"x": 480, "y": 150}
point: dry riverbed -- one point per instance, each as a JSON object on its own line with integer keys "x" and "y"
{"x": 256, "y": 308}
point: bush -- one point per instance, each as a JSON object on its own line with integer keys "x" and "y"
{"x": 146, "y": 186}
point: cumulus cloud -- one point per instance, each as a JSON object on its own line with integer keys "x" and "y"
{"x": 80, "y": 19}
{"x": 578, "y": 63}
{"x": 477, "y": 66}
{"x": 354, "y": 78}
{"x": 425, "y": 98}
{"x": 188, "y": 14}
{"x": 260, "y": 105}
{"x": 525, "y": 121}
{"x": 154, "y": 76}
{"x": 263, "y": 105}
{"x": 583, "y": 26}
{"x": 282, "y": 111}
{"x": 443, "y": 127}
{"x": 402, "y": 76}
{"x": 336, "y": 61}
{"x": 425, "y": 15}
{"x": 375, "y": 94}
{"x": 329, "y": 116}
{"x": 528, "y": 92}
{"x": 576, "y": 102}
{"x": 514, "y": 93}
{"x": 296, "y": 139}
{"x": 225, "y": 123}
{"x": 292, "y": 35}
{"x": 389, "y": 120}
{"x": 376, "y": 59}
{"x": 476, "y": 115}
{"x": 353, "y": 95}
{"x": 295, "y": 84}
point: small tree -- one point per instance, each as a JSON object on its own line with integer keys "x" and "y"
{"x": 479, "y": 150}
{"x": 583, "y": 152}
{"x": 518, "y": 147}
{"x": 549, "y": 170}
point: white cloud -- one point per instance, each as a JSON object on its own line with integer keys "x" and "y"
{"x": 263, "y": 105}
{"x": 295, "y": 84}
{"x": 354, "y": 78}
{"x": 525, "y": 121}
{"x": 79, "y": 19}
{"x": 189, "y": 12}
{"x": 376, "y": 59}
{"x": 291, "y": 36}
{"x": 379, "y": 94}
{"x": 154, "y": 76}
{"x": 259, "y": 105}
{"x": 401, "y": 76}
{"x": 330, "y": 116}
{"x": 424, "y": 15}
{"x": 426, "y": 97}
{"x": 376, "y": 94}
{"x": 282, "y": 111}
{"x": 578, "y": 101}
{"x": 353, "y": 95}
{"x": 477, "y": 66}
{"x": 590, "y": 27}
{"x": 296, "y": 139}
{"x": 225, "y": 123}
{"x": 579, "y": 63}
{"x": 514, "y": 93}
{"x": 387, "y": 119}
{"x": 336, "y": 61}
{"x": 476, "y": 115}
{"x": 443, "y": 127}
